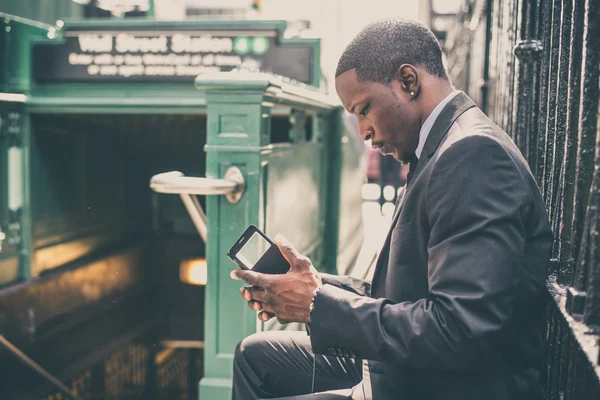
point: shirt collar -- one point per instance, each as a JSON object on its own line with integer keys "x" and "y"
{"x": 428, "y": 124}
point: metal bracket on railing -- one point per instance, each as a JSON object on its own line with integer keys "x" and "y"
{"x": 528, "y": 50}
{"x": 232, "y": 186}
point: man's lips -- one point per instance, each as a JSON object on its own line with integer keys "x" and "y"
{"x": 384, "y": 148}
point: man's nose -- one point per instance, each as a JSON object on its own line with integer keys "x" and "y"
{"x": 367, "y": 135}
{"x": 366, "y": 132}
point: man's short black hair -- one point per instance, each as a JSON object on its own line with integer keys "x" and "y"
{"x": 383, "y": 46}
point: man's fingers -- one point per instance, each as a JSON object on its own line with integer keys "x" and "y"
{"x": 259, "y": 294}
{"x": 255, "y": 305}
{"x": 258, "y": 306}
{"x": 250, "y": 277}
{"x": 250, "y": 294}
{"x": 265, "y": 316}
{"x": 245, "y": 293}
{"x": 267, "y": 308}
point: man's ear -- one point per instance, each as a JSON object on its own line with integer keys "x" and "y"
{"x": 407, "y": 77}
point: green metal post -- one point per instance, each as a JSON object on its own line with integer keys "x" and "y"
{"x": 333, "y": 145}
{"x": 26, "y": 256}
{"x": 239, "y": 112}
{"x": 237, "y": 127}
{"x": 16, "y": 37}
{"x": 14, "y": 214}
{"x": 150, "y": 13}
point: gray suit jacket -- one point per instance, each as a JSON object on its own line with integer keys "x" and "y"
{"x": 457, "y": 303}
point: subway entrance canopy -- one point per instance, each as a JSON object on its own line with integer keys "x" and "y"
{"x": 171, "y": 52}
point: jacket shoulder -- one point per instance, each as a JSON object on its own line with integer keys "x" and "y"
{"x": 474, "y": 131}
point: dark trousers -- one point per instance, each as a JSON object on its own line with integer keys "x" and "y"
{"x": 279, "y": 364}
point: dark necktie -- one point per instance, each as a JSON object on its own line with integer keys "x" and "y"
{"x": 413, "y": 166}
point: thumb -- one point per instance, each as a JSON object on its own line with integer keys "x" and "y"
{"x": 289, "y": 252}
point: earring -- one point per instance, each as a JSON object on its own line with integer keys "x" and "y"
{"x": 412, "y": 94}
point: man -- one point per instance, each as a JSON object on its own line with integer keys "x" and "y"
{"x": 456, "y": 306}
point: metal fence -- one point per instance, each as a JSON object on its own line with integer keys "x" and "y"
{"x": 141, "y": 370}
{"x": 533, "y": 66}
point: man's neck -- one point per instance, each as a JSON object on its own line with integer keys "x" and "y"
{"x": 433, "y": 93}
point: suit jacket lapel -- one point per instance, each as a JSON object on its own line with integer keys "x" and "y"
{"x": 384, "y": 253}
{"x": 454, "y": 109}
{"x": 399, "y": 201}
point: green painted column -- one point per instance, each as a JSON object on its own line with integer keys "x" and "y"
{"x": 237, "y": 129}
{"x": 16, "y": 37}
{"x": 15, "y": 209}
{"x": 151, "y": 9}
{"x": 239, "y": 113}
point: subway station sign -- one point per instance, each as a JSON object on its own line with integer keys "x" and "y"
{"x": 167, "y": 56}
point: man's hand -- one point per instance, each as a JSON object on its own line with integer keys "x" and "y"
{"x": 286, "y": 296}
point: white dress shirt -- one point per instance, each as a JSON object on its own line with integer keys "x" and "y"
{"x": 428, "y": 124}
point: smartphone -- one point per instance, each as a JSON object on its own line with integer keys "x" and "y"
{"x": 255, "y": 251}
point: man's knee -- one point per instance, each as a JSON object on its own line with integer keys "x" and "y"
{"x": 250, "y": 349}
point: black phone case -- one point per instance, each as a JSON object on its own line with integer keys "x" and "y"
{"x": 272, "y": 262}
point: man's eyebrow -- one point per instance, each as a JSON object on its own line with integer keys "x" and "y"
{"x": 356, "y": 104}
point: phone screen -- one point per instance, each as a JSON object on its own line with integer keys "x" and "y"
{"x": 253, "y": 250}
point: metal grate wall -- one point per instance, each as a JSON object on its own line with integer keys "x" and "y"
{"x": 140, "y": 371}
{"x": 534, "y": 66}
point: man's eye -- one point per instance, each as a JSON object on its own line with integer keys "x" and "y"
{"x": 364, "y": 111}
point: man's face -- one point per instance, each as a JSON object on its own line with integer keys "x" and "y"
{"x": 386, "y": 115}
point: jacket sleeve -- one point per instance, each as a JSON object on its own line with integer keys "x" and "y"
{"x": 475, "y": 202}
{"x": 348, "y": 283}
